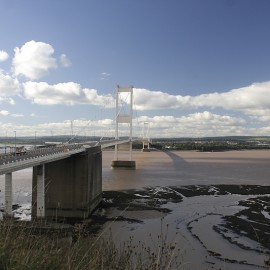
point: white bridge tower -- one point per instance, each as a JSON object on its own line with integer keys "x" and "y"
{"x": 124, "y": 117}
{"x": 145, "y": 139}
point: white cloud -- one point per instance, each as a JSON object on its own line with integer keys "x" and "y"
{"x": 105, "y": 76}
{"x": 3, "y": 56}
{"x": 17, "y": 115}
{"x": 69, "y": 93}
{"x": 204, "y": 123}
{"x": 10, "y": 101}
{"x": 151, "y": 100}
{"x": 255, "y": 96}
{"x": 33, "y": 60}
{"x": 80, "y": 127}
{"x": 262, "y": 115}
{"x": 7, "y": 100}
{"x": 252, "y": 97}
{"x": 6, "y": 113}
{"x": 198, "y": 124}
{"x": 65, "y": 62}
{"x": 93, "y": 98}
{"x": 195, "y": 125}
{"x": 9, "y": 86}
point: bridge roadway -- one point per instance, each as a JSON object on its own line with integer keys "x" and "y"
{"x": 15, "y": 162}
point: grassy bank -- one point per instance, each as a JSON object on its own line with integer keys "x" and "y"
{"x": 24, "y": 247}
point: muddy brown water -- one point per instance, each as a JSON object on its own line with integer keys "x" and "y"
{"x": 170, "y": 168}
{"x": 201, "y": 223}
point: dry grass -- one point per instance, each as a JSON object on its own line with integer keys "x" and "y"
{"x": 22, "y": 248}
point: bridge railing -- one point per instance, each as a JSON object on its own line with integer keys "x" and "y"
{"x": 13, "y": 157}
{"x": 35, "y": 157}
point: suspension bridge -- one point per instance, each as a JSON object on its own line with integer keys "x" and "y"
{"x": 67, "y": 178}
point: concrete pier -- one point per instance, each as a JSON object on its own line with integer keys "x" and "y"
{"x": 41, "y": 191}
{"x": 8, "y": 195}
{"x": 126, "y": 161}
{"x": 73, "y": 186}
{"x": 125, "y": 164}
{"x": 146, "y": 145}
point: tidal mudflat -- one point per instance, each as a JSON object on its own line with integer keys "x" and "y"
{"x": 214, "y": 207}
{"x": 212, "y": 227}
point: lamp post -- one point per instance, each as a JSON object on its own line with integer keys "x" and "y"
{"x": 6, "y": 144}
{"x": 15, "y": 142}
{"x": 35, "y": 140}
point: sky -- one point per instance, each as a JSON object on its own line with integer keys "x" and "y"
{"x": 198, "y": 67}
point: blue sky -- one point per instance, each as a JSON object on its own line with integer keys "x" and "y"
{"x": 198, "y": 67}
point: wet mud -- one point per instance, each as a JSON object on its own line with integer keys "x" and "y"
{"x": 244, "y": 225}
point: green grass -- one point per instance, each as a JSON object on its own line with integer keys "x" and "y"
{"x": 21, "y": 247}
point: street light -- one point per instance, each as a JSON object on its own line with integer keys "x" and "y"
{"x": 6, "y": 144}
{"x": 35, "y": 140}
{"x": 15, "y": 142}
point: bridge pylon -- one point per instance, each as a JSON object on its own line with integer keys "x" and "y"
{"x": 145, "y": 139}
{"x": 124, "y": 117}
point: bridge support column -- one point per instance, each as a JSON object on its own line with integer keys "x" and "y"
{"x": 41, "y": 191}
{"x": 73, "y": 186}
{"x": 8, "y": 195}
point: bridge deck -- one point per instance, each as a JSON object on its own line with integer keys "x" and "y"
{"x": 15, "y": 162}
